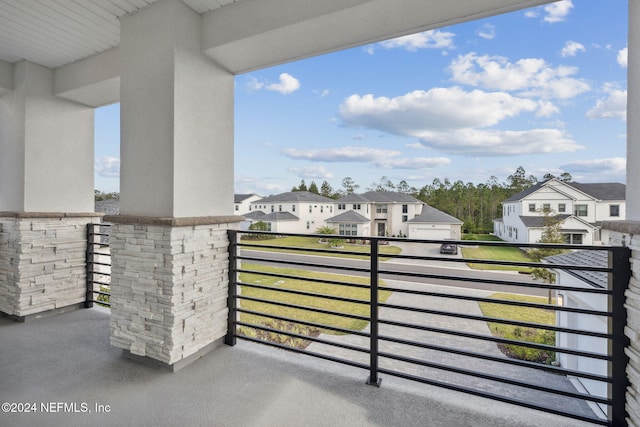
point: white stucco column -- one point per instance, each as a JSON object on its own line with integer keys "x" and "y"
{"x": 169, "y": 243}
{"x": 46, "y": 194}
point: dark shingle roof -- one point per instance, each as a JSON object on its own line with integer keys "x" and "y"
{"x": 254, "y": 215}
{"x": 538, "y": 221}
{"x": 108, "y": 207}
{"x": 351, "y": 217}
{"x": 600, "y": 191}
{"x": 238, "y": 198}
{"x": 279, "y": 216}
{"x": 431, "y": 214}
{"x": 586, "y": 258}
{"x": 379, "y": 197}
{"x": 295, "y": 196}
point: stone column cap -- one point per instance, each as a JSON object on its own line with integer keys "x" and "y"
{"x": 173, "y": 221}
{"x": 50, "y": 214}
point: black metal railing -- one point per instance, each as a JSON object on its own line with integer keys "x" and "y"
{"x": 98, "y": 265}
{"x": 422, "y": 320}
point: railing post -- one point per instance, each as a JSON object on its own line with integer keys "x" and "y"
{"x": 373, "y": 347}
{"x": 88, "y": 302}
{"x": 619, "y": 260}
{"x": 232, "y": 301}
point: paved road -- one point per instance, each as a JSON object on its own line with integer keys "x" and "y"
{"x": 447, "y": 274}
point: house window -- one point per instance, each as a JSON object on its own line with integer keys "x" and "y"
{"x": 293, "y": 208}
{"x": 532, "y": 207}
{"x": 268, "y": 226}
{"x": 310, "y": 210}
{"x": 356, "y": 206}
{"x": 614, "y": 210}
{"x": 562, "y": 207}
{"x": 237, "y": 207}
{"x": 405, "y": 208}
{"x": 280, "y": 208}
{"x": 272, "y": 208}
{"x": 348, "y": 229}
{"x": 546, "y": 207}
{"x": 321, "y": 209}
{"x": 573, "y": 239}
{"x": 308, "y": 223}
{"x": 580, "y": 210}
{"x": 405, "y": 218}
{"x": 381, "y": 209}
{"x": 341, "y": 206}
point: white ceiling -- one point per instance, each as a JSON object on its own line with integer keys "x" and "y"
{"x": 57, "y": 32}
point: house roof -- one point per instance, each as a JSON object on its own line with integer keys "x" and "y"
{"x": 254, "y": 215}
{"x": 295, "y": 196}
{"x": 538, "y": 221}
{"x": 600, "y": 191}
{"x": 379, "y": 197}
{"x": 108, "y": 207}
{"x": 431, "y": 214}
{"x": 239, "y": 198}
{"x": 279, "y": 216}
{"x": 586, "y": 258}
{"x": 351, "y": 217}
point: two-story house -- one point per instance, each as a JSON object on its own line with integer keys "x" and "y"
{"x": 294, "y": 211}
{"x": 242, "y": 203}
{"x": 580, "y": 207}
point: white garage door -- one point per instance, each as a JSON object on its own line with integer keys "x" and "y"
{"x": 429, "y": 232}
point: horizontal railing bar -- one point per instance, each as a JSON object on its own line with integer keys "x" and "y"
{"x": 497, "y": 320}
{"x": 99, "y": 263}
{"x": 306, "y": 279}
{"x": 496, "y": 378}
{"x": 97, "y": 282}
{"x": 299, "y": 249}
{"x": 494, "y": 282}
{"x": 303, "y": 293}
{"x": 304, "y": 337}
{"x": 95, "y": 291}
{"x": 300, "y": 307}
{"x": 97, "y": 272}
{"x": 499, "y": 340}
{"x": 505, "y": 360}
{"x": 308, "y": 353}
{"x": 514, "y": 303}
{"x": 302, "y": 322}
{"x": 304, "y": 264}
{"x": 108, "y": 304}
{"x": 492, "y": 396}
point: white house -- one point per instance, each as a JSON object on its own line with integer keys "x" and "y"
{"x": 434, "y": 224}
{"x": 581, "y": 208}
{"x": 294, "y": 211}
{"x": 588, "y": 322}
{"x": 242, "y": 203}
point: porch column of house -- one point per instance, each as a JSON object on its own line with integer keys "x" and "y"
{"x": 169, "y": 244}
{"x": 46, "y": 195}
{"x": 627, "y": 232}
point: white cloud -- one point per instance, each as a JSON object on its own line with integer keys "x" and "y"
{"x": 434, "y": 39}
{"x": 286, "y": 85}
{"x": 253, "y": 84}
{"x": 571, "y": 48}
{"x": 390, "y": 159}
{"x": 108, "y": 167}
{"x": 529, "y": 76}
{"x": 454, "y": 121}
{"x": 322, "y": 93}
{"x": 557, "y": 12}
{"x": 312, "y": 172}
{"x": 614, "y": 105}
{"x": 623, "y": 57}
{"x": 488, "y": 31}
{"x": 611, "y": 169}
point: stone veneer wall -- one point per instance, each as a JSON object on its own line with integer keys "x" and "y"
{"x": 627, "y": 233}
{"x": 42, "y": 261}
{"x": 169, "y": 284}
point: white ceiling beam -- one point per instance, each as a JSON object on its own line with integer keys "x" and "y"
{"x": 93, "y": 81}
{"x": 255, "y": 34}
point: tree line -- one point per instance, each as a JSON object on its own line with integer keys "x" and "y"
{"x": 477, "y": 205}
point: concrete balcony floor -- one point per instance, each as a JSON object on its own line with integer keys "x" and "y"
{"x": 67, "y": 358}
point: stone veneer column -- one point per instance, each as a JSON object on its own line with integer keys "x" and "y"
{"x": 169, "y": 286}
{"x": 42, "y": 262}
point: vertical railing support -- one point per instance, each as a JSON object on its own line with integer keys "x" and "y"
{"x": 232, "y": 301}
{"x": 88, "y": 302}
{"x": 373, "y": 347}
{"x": 619, "y": 261}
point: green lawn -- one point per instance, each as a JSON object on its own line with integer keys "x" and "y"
{"x": 316, "y": 302}
{"x": 482, "y": 237}
{"x": 496, "y": 253}
{"x": 524, "y": 314}
{"x": 314, "y": 243}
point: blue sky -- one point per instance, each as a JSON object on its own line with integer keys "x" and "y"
{"x": 542, "y": 88}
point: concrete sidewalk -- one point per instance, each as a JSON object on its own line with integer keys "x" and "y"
{"x": 67, "y": 359}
